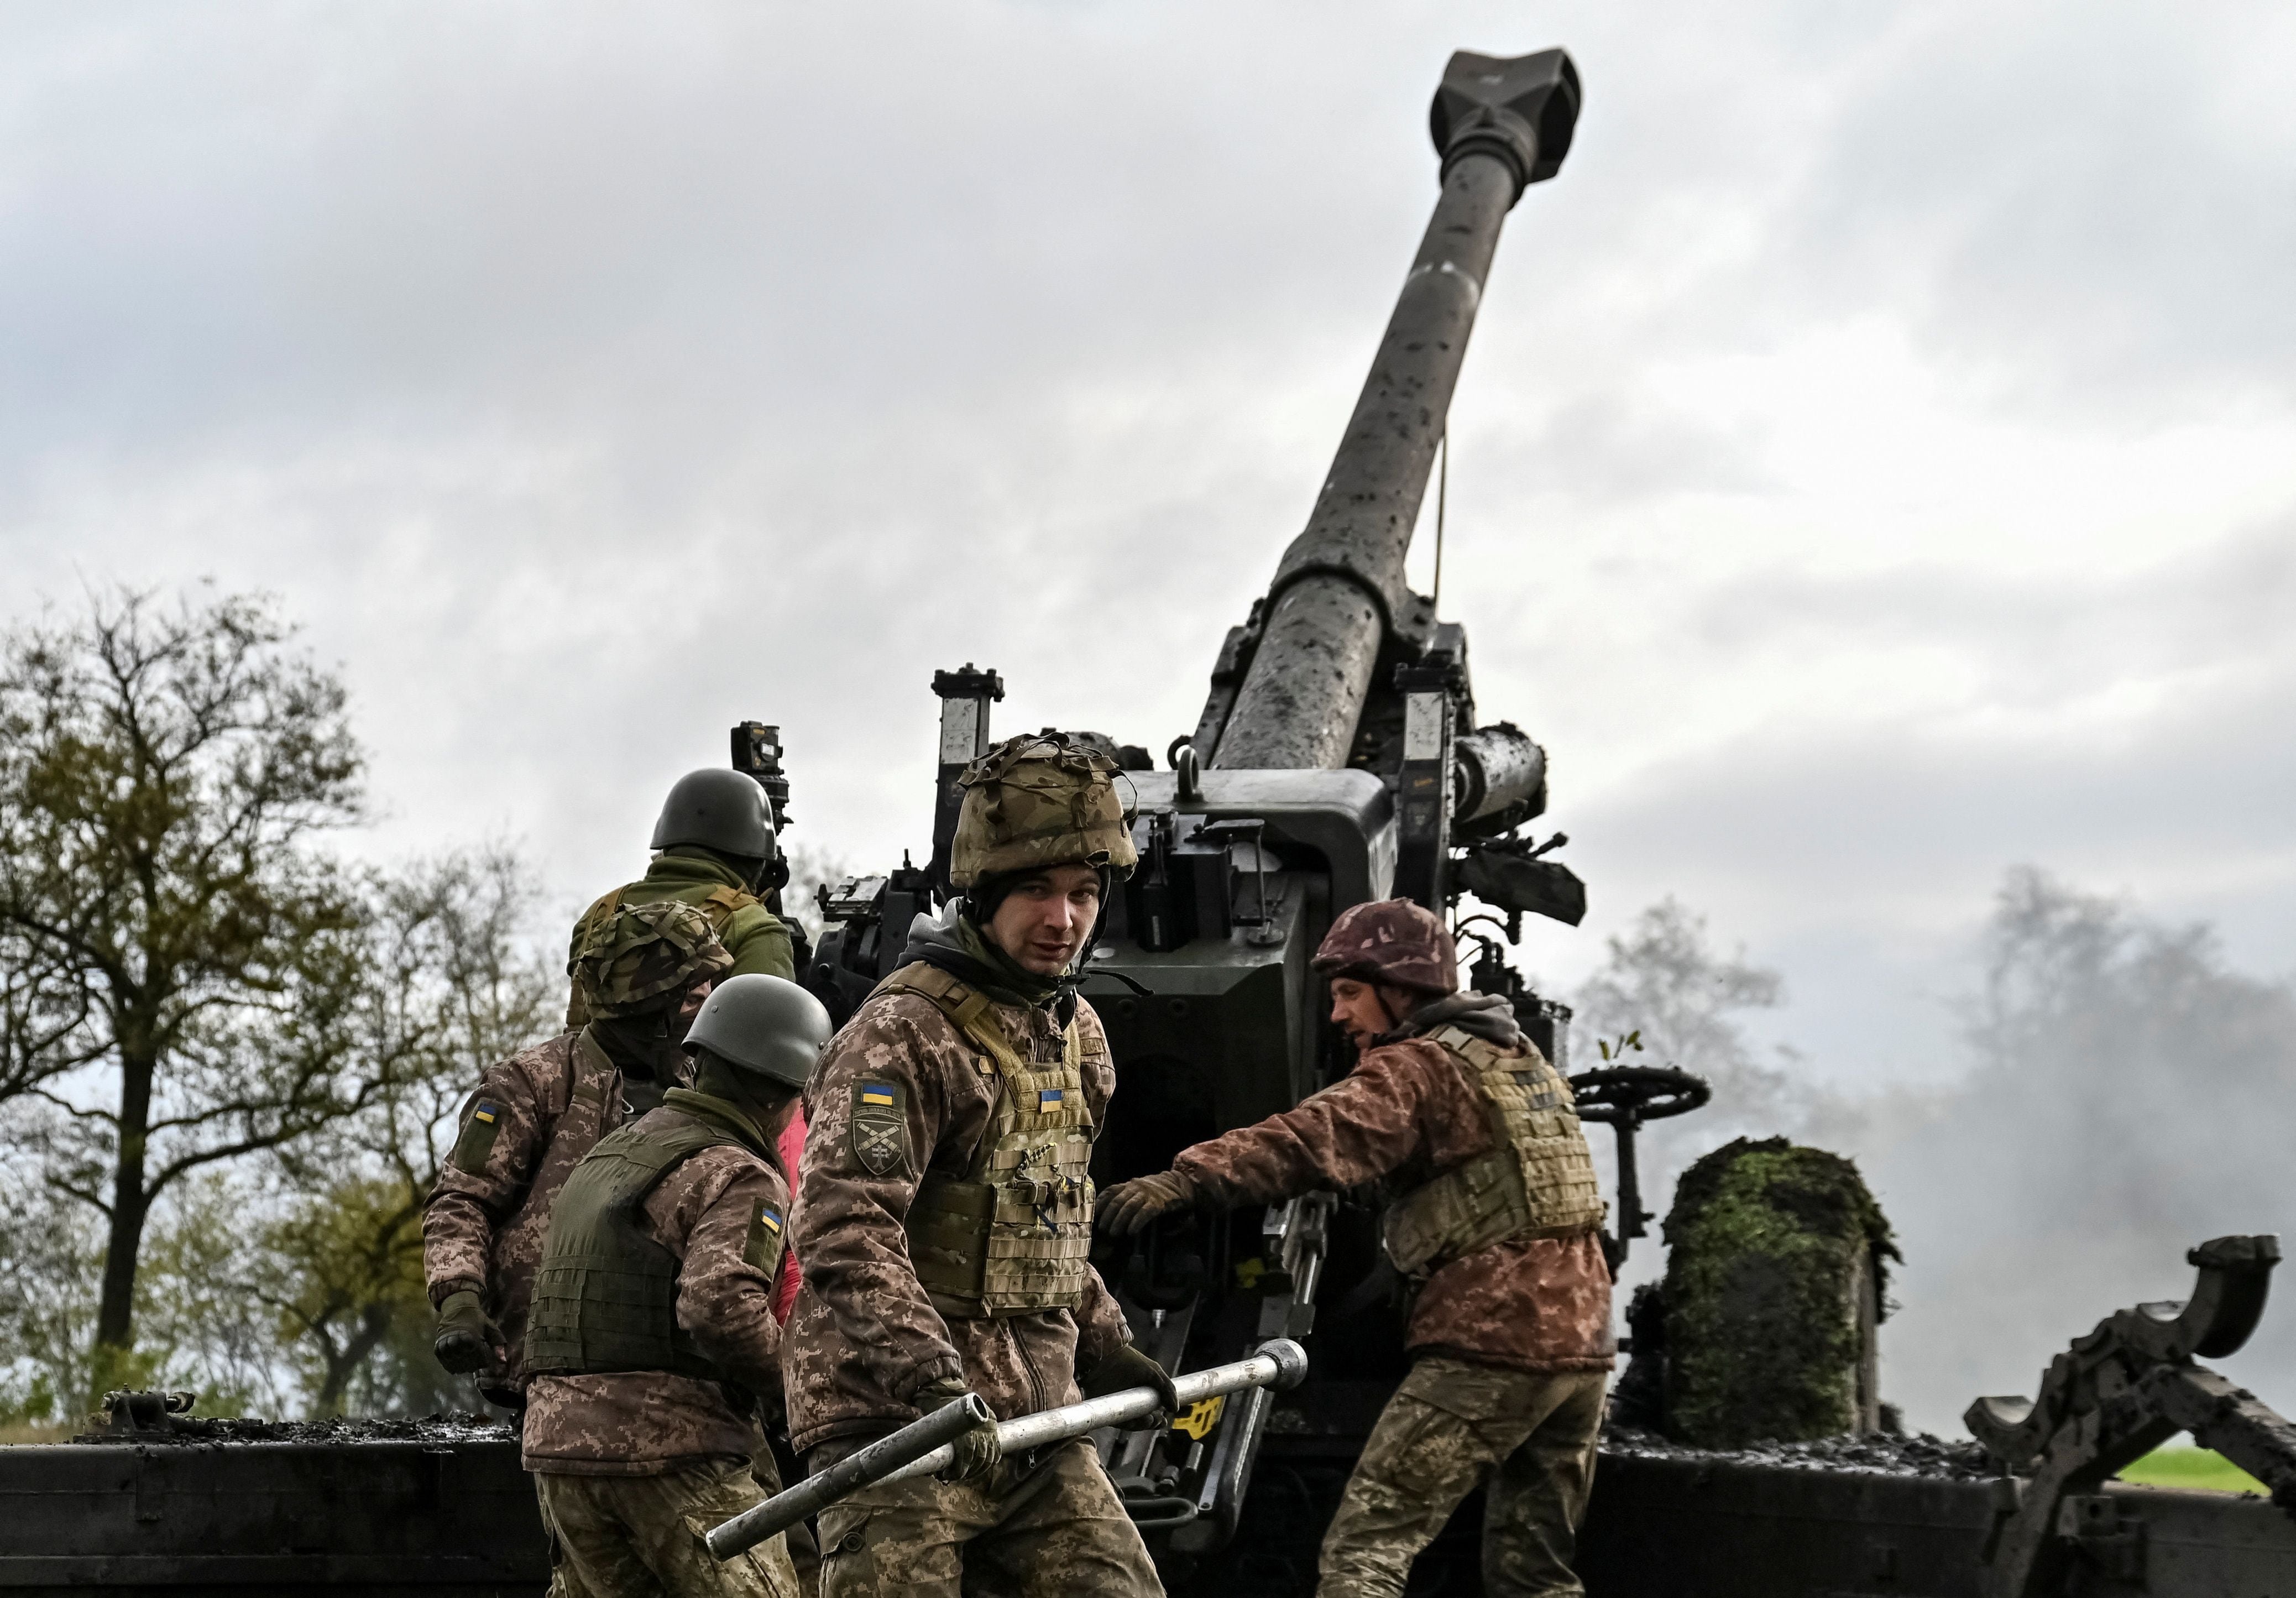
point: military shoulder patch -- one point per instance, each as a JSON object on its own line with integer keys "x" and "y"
{"x": 763, "y": 1249}
{"x": 879, "y": 1126}
{"x": 478, "y": 1139}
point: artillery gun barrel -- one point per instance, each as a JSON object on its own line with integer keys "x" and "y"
{"x": 1500, "y": 125}
{"x": 1281, "y": 1364}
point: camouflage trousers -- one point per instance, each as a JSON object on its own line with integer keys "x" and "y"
{"x": 640, "y": 1537}
{"x": 1052, "y": 1529}
{"x": 1451, "y": 1428}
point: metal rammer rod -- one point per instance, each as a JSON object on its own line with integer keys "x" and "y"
{"x": 924, "y": 1446}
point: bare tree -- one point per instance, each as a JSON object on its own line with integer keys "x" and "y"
{"x": 181, "y": 951}
{"x": 453, "y": 987}
{"x": 1664, "y": 980}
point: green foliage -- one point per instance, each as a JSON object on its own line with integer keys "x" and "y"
{"x": 178, "y": 950}
{"x": 1767, "y": 1243}
{"x": 228, "y": 1059}
{"x": 51, "y": 1256}
{"x": 2197, "y": 1470}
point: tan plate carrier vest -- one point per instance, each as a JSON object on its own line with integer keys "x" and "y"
{"x": 1537, "y": 1182}
{"x": 1010, "y": 1236}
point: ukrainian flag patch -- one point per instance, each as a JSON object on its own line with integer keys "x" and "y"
{"x": 877, "y": 1094}
{"x": 485, "y": 1112}
{"x": 1048, "y": 1097}
{"x": 771, "y": 1222}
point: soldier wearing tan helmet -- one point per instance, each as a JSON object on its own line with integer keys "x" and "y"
{"x": 643, "y": 972}
{"x": 945, "y": 1214}
{"x": 1495, "y": 1220}
{"x": 715, "y": 849}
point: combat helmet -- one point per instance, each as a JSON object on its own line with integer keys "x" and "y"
{"x": 718, "y": 809}
{"x": 1395, "y": 941}
{"x": 763, "y": 1024}
{"x": 645, "y": 957}
{"x": 1036, "y": 801}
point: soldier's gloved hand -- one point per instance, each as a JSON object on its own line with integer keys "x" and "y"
{"x": 975, "y": 1449}
{"x": 468, "y": 1339}
{"x": 1128, "y": 1368}
{"x": 1129, "y": 1206}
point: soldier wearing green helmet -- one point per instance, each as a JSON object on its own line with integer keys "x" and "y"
{"x": 716, "y": 850}
{"x": 653, "y": 1351}
{"x": 643, "y": 972}
{"x": 946, "y": 1212}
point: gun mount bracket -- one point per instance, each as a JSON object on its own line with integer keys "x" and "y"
{"x": 2110, "y": 1399}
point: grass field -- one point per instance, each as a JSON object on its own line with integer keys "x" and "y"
{"x": 2195, "y": 1467}
{"x": 34, "y": 1431}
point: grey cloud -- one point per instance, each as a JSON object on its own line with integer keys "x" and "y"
{"x": 591, "y": 379}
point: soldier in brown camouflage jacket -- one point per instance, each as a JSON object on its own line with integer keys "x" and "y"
{"x": 536, "y": 1114}
{"x": 653, "y": 1352}
{"x": 1511, "y": 1325}
{"x": 956, "y": 1110}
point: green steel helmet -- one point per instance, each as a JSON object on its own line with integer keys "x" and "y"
{"x": 645, "y": 957}
{"x": 763, "y": 1024}
{"x": 718, "y": 809}
{"x": 1036, "y": 801}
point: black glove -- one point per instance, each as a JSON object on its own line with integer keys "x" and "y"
{"x": 975, "y": 1450}
{"x": 467, "y": 1338}
{"x": 1128, "y": 1368}
{"x": 1129, "y": 1206}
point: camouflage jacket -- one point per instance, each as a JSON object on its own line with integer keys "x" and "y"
{"x": 752, "y": 934}
{"x": 1407, "y": 1112}
{"x": 864, "y": 1337}
{"x": 523, "y": 1132}
{"x": 707, "y": 1211}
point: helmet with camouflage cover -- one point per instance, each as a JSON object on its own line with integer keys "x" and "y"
{"x": 1394, "y": 941}
{"x": 643, "y": 956}
{"x": 1036, "y": 801}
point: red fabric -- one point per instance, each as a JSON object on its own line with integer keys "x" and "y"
{"x": 790, "y": 1147}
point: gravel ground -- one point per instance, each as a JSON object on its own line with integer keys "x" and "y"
{"x": 1920, "y": 1455}
{"x": 430, "y": 1428}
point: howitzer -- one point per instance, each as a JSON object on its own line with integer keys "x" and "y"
{"x": 1337, "y": 759}
{"x": 1280, "y": 1364}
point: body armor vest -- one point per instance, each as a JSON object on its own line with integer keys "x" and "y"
{"x": 606, "y": 1296}
{"x": 1538, "y": 1180}
{"x": 1011, "y": 1235}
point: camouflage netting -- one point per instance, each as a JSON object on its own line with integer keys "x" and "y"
{"x": 1773, "y": 1285}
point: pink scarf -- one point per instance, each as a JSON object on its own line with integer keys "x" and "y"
{"x": 790, "y": 1147}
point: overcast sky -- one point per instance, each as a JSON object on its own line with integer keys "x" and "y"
{"x": 1875, "y": 465}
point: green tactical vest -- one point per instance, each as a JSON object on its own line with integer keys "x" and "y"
{"x": 1011, "y": 1237}
{"x": 606, "y": 1296}
{"x": 1537, "y": 1182}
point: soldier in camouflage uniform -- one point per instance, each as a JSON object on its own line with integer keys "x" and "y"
{"x": 645, "y": 969}
{"x": 944, "y": 1213}
{"x": 1496, "y": 1220}
{"x": 717, "y": 853}
{"x": 653, "y": 1349}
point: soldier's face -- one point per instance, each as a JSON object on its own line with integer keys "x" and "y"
{"x": 1360, "y": 1009}
{"x": 1043, "y": 921}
